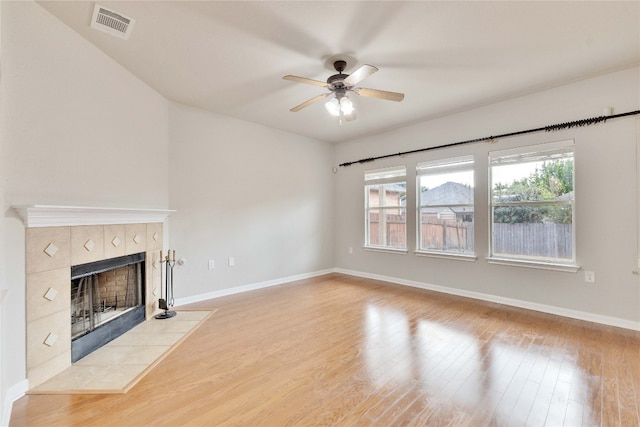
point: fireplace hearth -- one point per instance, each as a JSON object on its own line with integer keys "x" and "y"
{"x": 107, "y": 300}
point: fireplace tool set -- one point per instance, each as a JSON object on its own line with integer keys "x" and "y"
{"x": 167, "y": 302}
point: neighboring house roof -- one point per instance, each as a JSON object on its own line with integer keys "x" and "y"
{"x": 449, "y": 193}
{"x": 566, "y": 196}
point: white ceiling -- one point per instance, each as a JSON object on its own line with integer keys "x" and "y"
{"x": 446, "y": 56}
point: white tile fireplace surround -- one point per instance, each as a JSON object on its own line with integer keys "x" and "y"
{"x": 58, "y": 237}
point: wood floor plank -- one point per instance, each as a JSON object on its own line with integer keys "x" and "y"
{"x": 346, "y": 351}
{"x": 628, "y": 366}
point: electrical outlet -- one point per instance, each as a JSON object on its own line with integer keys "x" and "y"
{"x": 232, "y": 261}
{"x": 589, "y": 277}
{"x": 212, "y": 264}
{"x": 350, "y": 250}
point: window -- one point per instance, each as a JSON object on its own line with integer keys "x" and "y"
{"x": 532, "y": 203}
{"x": 445, "y": 205}
{"x": 385, "y": 198}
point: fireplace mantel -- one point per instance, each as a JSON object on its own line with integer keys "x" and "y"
{"x": 59, "y": 216}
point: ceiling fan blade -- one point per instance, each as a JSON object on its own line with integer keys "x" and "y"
{"x": 360, "y": 74}
{"x": 305, "y": 80}
{"x": 381, "y": 94}
{"x": 309, "y": 102}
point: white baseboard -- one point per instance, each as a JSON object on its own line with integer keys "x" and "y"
{"x": 14, "y": 393}
{"x": 544, "y": 308}
{"x": 249, "y": 287}
{"x": 565, "y": 312}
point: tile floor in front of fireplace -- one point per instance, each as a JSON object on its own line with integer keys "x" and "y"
{"x": 120, "y": 364}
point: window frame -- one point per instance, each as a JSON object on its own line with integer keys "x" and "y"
{"x": 379, "y": 177}
{"x": 528, "y": 154}
{"x": 464, "y": 163}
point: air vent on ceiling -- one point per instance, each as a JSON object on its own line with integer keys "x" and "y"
{"x": 111, "y": 22}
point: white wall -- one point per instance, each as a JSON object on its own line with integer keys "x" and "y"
{"x": 76, "y": 129}
{"x": 262, "y": 196}
{"x": 606, "y": 200}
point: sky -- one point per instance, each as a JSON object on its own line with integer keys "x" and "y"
{"x": 504, "y": 174}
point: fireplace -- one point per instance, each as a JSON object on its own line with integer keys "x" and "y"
{"x": 59, "y": 237}
{"x": 107, "y": 299}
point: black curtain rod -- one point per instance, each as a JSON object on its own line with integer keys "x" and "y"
{"x": 550, "y": 128}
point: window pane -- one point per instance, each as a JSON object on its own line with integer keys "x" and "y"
{"x": 385, "y": 208}
{"x": 373, "y": 221}
{"x": 396, "y": 230}
{"x": 446, "y": 200}
{"x": 387, "y": 195}
{"x": 532, "y": 181}
{"x": 373, "y": 195}
{"x": 387, "y": 227}
{"x": 532, "y": 194}
{"x": 534, "y": 232}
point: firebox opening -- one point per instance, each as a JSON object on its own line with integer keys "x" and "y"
{"x": 107, "y": 299}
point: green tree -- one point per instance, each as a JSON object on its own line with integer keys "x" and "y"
{"x": 552, "y": 181}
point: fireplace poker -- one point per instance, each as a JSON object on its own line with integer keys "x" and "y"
{"x": 168, "y": 300}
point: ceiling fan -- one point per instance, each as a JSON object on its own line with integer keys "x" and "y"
{"x": 339, "y": 85}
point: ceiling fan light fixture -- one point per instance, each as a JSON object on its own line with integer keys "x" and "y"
{"x": 346, "y": 106}
{"x": 333, "y": 107}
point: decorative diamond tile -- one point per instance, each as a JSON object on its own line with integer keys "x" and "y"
{"x": 137, "y": 238}
{"x": 51, "y": 250}
{"x": 89, "y": 245}
{"x": 51, "y": 294}
{"x": 156, "y": 236}
{"x": 51, "y": 339}
{"x": 116, "y": 242}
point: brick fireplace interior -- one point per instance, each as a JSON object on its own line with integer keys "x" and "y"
{"x": 107, "y": 300}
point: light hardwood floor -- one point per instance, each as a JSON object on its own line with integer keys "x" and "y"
{"x": 339, "y": 350}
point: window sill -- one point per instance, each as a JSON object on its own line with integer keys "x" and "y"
{"x": 568, "y": 268}
{"x": 447, "y": 255}
{"x": 387, "y": 250}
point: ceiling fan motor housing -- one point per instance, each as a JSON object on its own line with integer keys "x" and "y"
{"x": 336, "y": 81}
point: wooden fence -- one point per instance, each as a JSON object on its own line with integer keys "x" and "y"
{"x": 532, "y": 239}
{"x": 439, "y": 234}
{"x": 396, "y": 230}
